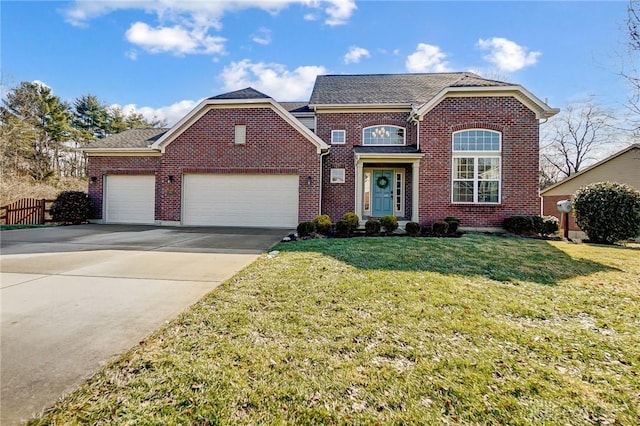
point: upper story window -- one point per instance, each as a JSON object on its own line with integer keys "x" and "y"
{"x": 338, "y": 137}
{"x": 476, "y": 176}
{"x": 240, "y": 134}
{"x": 383, "y": 135}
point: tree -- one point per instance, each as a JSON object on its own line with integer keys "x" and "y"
{"x": 573, "y": 138}
{"x": 36, "y": 122}
{"x": 632, "y": 72}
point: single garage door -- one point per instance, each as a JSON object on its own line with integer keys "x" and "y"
{"x": 130, "y": 199}
{"x": 240, "y": 200}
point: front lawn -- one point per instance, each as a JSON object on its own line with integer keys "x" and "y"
{"x": 477, "y": 329}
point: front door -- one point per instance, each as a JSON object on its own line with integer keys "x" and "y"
{"x": 382, "y": 193}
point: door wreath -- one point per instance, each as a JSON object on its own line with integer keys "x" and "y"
{"x": 382, "y": 182}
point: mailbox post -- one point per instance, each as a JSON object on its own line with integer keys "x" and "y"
{"x": 564, "y": 207}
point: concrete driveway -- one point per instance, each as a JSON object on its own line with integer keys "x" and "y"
{"x": 74, "y": 297}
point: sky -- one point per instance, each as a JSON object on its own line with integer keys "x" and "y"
{"x": 161, "y": 57}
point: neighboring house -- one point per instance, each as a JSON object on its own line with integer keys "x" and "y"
{"x": 417, "y": 146}
{"x": 621, "y": 167}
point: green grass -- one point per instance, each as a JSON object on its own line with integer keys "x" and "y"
{"x": 479, "y": 330}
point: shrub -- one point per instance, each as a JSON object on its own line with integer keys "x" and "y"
{"x": 352, "y": 218}
{"x": 440, "y": 227}
{"x": 389, "y": 223}
{"x": 343, "y": 228}
{"x": 305, "y": 229}
{"x": 413, "y": 228}
{"x": 71, "y": 207}
{"x": 322, "y": 223}
{"x": 520, "y": 225}
{"x": 372, "y": 227}
{"x": 453, "y": 223}
{"x": 607, "y": 211}
{"x": 545, "y": 225}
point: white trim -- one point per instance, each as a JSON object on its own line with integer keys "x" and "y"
{"x": 337, "y": 176}
{"x": 541, "y": 109}
{"x": 240, "y": 134}
{"x": 404, "y": 135}
{"x": 208, "y": 104}
{"x": 344, "y": 137}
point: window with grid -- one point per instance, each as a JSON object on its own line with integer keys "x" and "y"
{"x": 383, "y": 135}
{"x": 476, "y": 167}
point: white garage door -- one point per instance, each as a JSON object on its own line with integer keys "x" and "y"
{"x": 240, "y": 200}
{"x": 130, "y": 199}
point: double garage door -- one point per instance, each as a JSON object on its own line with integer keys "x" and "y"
{"x": 240, "y": 200}
{"x": 208, "y": 200}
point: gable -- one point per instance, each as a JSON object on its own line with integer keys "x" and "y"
{"x": 622, "y": 167}
{"x": 239, "y": 104}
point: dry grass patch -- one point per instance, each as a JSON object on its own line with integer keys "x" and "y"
{"x": 480, "y": 330}
{"x": 14, "y": 187}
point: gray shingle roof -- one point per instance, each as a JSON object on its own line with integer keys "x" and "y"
{"x": 408, "y": 149}
{"x": 294, "y": 107}
{"x": 132, "y": 138}
{"x": 246, "y": 93}
{"x": 391, "y": 88}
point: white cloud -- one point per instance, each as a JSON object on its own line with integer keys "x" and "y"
{"x": 272, "y": 79}
{"x": 174, "y": 39}
{"x": 340, "y": 11}
{"x": 262, "y": 36}
{"x": 356, "y": 53}
{"x": 507, "y": 55}
{"x": 172, "y": 113}
{"x": 203, "y": 14}
{"x": 427, "y": 58}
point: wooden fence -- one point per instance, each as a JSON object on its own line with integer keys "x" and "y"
{"x": 28, "y": 211}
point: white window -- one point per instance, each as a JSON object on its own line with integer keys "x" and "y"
{"x": 476, "y": 167}
{"x": 338, "y": 137}
{"x": 383, "y": 135}
{"x": 337, "y": 176}
{"x": 398, "y": 192}
{"x": 240, "y": 135}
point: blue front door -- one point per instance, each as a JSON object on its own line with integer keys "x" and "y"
{"x": 382, "y": 193}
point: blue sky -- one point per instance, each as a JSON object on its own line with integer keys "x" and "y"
{"x": 161, "y": 57}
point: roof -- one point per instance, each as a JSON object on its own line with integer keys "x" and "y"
{"x": 246, "y": 93}
{"x": 391, "y": 88}
{"x": 591, "y": 167}
{"x": 296, "y": 107}
{"x": 132, "y": 138}
{"x": 409, "y": 149}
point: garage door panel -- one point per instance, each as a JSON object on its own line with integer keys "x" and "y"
{"x": 240, "y": 200}
{"x": 130, "y": 199}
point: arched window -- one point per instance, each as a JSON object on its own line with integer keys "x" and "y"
{"x": 383, "y": 135}
{"x": 476, "y": 176}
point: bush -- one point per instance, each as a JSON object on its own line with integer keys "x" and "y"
{"x": 305, "y": 229}
{"x": 520, "y": 225}
{"x": 545, "y": 225}
{"x": 453, "y": 223}
{"x": 389, "y": 223}
{"x": 440, "y": 227}
{"x": 372, "y": 227}
{"x": 71, "y": 207}
{"x": 352, "y": 218}
{"x": 607, "y": 211}
{"x": 322, "y": 223}
{"x": 343, "y": 228}
{"x": 413, "y": 228}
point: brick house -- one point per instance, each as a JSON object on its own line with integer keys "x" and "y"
{"x": 417, "y": 146}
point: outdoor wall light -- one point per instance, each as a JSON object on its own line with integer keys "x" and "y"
{"x": 94, "y": 179}
{"x": 170, "y": 178}
{"x": 309, "y": 180}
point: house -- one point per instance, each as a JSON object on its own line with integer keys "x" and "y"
{"x": 417, "y": 146}
{"x": 621, "y": 167}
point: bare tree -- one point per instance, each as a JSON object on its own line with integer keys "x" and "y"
{"x": 631, "y": 72}
{"x": 573, "y": 138}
